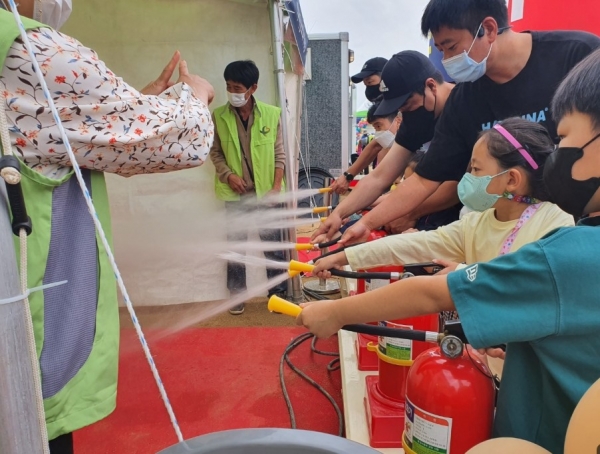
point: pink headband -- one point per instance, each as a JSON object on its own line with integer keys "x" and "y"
{"x": 508, "y": 136}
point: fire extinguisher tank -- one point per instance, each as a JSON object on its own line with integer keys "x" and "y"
{"x": 449, "y": 403}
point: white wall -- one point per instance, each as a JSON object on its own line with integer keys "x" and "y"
{"x": 162, "y": 222}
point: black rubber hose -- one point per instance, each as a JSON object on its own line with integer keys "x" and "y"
{"x": 388, "y": 332}
{"x": 328, "y": 243}
{"x": 355, "y": 275}
{"x": 285, "y": 358}
{"x": 340, "y": 249}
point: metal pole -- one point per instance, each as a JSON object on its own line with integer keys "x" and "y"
{"x": 290, "y": 168}
{"x": 324, "y": 286}
{"x": 345, "y": 87}
{"x": 20, "y": 431}
{"x": 327, "y": 198}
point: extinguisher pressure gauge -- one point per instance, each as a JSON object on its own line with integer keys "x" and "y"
{"x": 451, "y": 347}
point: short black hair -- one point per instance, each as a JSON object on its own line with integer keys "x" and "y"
{"x": 437, "y": 76}
{"x": 580, "y": 91}
{"x": 537, "y": 142}
{"x": 371, "y": 117}
{"x": 243, "y": 72}
{"x": 462, "y": 14}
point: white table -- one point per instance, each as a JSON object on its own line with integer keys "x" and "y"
{"x": 353, "y": 392}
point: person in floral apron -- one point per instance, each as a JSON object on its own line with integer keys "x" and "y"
{"x": 112, "y": 127}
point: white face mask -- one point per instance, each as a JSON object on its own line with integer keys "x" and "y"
{"x": 462, "y": 68}
{"x": 385, "y": 138}
{"x": 53, "y": 13}
{"x": 237, "y": 99}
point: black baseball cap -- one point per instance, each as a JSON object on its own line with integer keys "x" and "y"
{"x": 372, "y": 66}
{"x": 405, "y": 73}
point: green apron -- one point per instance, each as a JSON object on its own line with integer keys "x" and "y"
{"x": 76, "y": 325}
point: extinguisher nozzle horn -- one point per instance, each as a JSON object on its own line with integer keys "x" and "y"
{"x": 277, "y": 304}
{"x": 295, "y": 265}
{"x": 305, "y": 247}
{"x": 325, "y": 190}
{"x": 317, "y": 210}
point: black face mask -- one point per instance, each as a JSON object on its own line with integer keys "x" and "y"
{"x": 569, "y": 194}
{"x": 373, "y": 94}
{"x": 421, "y": 116}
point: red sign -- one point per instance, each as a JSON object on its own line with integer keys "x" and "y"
{"x": 555, "y": 15}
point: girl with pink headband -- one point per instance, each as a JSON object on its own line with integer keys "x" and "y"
{"x": 506, "y": 194}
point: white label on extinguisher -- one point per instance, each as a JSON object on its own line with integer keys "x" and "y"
{"x": 426, "y": 433}
{"x": 372, "y": 284}
{"x": 396, "y": 348}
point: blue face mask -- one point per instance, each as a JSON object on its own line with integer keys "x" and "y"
{"x": 472, "y": 192}
{"x": 463, "y": 68}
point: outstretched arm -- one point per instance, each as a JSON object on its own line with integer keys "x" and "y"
{"x": 403, "y": 299}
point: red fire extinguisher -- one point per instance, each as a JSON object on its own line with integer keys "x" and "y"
{"x": 450, "y": 398}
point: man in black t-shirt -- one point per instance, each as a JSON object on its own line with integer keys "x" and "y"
{"x": 410, "y": 83}
{"x": 504, "y": 74}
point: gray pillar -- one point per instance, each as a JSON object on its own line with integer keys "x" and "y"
{"x": 20, "y": 431}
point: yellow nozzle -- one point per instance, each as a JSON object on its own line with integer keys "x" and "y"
{"x": 305, "y": 247}
{"x": 323, "y": 219}
{"x": 293, "y": 273}
{"x": 318, "y": 210}
{"x": 324, "y": 190}
{"x": 295, "y": 265}
{"x": 277, "y": 304}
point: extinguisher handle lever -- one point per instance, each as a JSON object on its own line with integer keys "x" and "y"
{"x": 454, "y": 328}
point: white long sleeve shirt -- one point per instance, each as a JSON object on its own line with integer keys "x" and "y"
{"x": 477, "y": 237}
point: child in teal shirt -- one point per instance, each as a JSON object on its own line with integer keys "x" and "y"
{"x": 543, "y": 300}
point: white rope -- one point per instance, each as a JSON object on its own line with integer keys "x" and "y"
{"x": 100, "y": 230}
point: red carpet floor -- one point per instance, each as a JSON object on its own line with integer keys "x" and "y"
{"x": 217, "y": 379}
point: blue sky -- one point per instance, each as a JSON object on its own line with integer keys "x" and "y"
{"x": 377, "y": 28}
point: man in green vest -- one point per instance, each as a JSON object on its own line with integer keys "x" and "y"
{"x": 249, "y": 160}
{"x": 76, "y": 325}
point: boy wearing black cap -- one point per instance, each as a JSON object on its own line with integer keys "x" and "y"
{"x": 370, "y": 75}
{"x": 413, "y": 85}
{"x": 505, "y": 73}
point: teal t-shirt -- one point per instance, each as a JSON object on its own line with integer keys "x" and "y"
{"x": 544, "y": 302}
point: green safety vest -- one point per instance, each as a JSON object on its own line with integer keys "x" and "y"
{"x": 76, "y": 325}
{"x": 262, "y": 147}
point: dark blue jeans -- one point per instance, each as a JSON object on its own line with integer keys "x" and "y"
{"x": 236, "y": 272}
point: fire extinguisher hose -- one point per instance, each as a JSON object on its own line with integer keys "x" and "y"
{"x": 425, "y": 336}
{"x": 278, "y": 304}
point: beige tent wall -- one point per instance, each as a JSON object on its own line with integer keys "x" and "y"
{"x": 162, "y": 223}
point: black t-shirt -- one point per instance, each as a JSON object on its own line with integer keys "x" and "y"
{"x": 476, "y": 106}
{"x": 416, "y": 129}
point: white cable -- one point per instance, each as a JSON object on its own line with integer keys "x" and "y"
{"x": 100, "y": 230}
